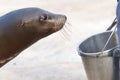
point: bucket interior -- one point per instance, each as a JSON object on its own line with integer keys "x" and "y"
{"x": 97, "y": 42}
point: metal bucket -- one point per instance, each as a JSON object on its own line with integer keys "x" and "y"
{"x": 97, "y": 66}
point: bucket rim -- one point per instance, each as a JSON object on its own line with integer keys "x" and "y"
{"x": 106, "y": 53}
{"x": 95, "y": 54}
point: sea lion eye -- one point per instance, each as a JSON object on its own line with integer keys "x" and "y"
{"x": 42, "y": 18}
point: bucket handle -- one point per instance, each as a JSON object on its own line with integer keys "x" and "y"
{"x": 108, "y": 29}
{"x": 112, "y": 25}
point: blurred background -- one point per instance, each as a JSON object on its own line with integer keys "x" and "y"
{"x": 55, "y": 57}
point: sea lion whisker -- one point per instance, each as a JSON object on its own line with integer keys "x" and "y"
{"x": 67, "y": 31}
{"x": 68, "y": 37}
{"x": 62, "y": 35}
{"x": 70, "y": 26}
{"x": 65, "y": 34}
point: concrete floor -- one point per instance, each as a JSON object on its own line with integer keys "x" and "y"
{"x": 55, "y": 57}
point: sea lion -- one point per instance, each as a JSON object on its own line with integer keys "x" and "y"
{"x": 21, "y": 28}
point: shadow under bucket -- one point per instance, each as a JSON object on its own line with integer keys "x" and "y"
{"x": 104, "y": 67}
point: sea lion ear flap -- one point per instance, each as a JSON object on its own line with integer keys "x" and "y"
{"x": 23, "y": 23}
{"x": 42, "y": 18}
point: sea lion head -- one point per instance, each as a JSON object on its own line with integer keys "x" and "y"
{"x": 21, "y": 28}
{"x": 42, "y": 22}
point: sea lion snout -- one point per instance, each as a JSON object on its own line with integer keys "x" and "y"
{"x": 59, "y": 22}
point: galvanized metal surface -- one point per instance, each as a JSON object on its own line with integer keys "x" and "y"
{"x": 99, "y": 68}
{"x": 104, "y": 67}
